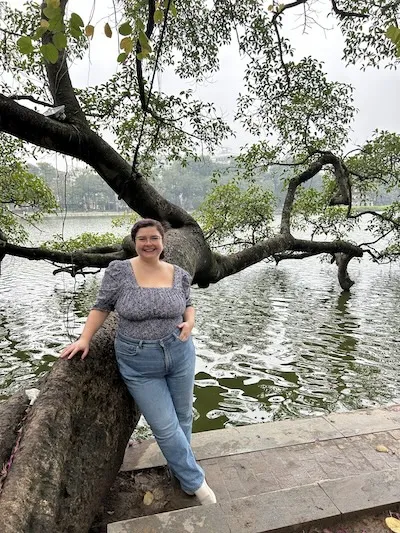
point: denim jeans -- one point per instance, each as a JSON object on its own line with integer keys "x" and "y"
{"x": 159, "y": 375}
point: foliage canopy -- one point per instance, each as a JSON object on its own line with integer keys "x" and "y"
{"x": 300, "y": 118}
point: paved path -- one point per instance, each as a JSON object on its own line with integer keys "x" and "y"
{"x": 279, "y": 476}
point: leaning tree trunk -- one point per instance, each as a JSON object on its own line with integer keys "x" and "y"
{"x": 72, "y": 445}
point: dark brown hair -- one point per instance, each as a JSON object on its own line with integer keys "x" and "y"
{"x": 147, "y": 223}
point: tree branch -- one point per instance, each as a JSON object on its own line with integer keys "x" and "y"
{"x": 284, "y": 66}
{"x": 293, "y": 255}
{"x": 347, "y": 14}
{"x": 294, "y": 183}
{"x": 79, "y": 259}
{"x": 342, "y": 262}
{"x": 227, "y": 265}
{"x": 85, "y": 145}
{"x": 288, "y": 6}
{"x": 326, "y": 247}
{"x": 385, "y": 218}
{"x": 28, "y": 125}
{"x": 31, "y": 99}
{"x": 60, "y": 82}
{"x": 342, "y": 197}
{"x": 223, "y": 266}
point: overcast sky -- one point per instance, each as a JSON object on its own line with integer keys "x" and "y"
{"x": 376, "y": 91}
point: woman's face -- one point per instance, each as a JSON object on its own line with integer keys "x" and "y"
{"x": 149, "y": 243}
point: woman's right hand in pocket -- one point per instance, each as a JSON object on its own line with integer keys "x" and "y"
{"x": 81, "y": 345}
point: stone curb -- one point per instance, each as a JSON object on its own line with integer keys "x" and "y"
{"x": 257, "y": 437}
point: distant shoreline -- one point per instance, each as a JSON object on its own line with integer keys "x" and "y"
{"x": 84, "y": 214}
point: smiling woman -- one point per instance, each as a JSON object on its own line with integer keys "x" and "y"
{"x": 153, "y": 346}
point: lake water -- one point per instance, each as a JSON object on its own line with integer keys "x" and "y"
{"x": 272, "y": 342}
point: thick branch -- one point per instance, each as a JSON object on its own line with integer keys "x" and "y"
{"x": 342, "y": 251}
{"x": 326, "y": 247}
{"x": 87, "y": 146}
{"x": 28, "y": 125}
{"x": 60, "y": 82}
{"x": 294, "y": 183}
{"x": 80, "y": 258}
{"x": 224, "y": 266}
{"x": 342, "y": 261}
{"x": 342, "y": 197}
{"x": 294, "y": 255}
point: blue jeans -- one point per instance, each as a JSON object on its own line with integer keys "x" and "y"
{"x": 159, "y": 375}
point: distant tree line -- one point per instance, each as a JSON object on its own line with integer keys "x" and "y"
{"x": 78, "y": 189}
{"x": 187, "y": 186}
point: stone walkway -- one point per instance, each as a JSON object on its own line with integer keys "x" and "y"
{"x": 283, "y": 476}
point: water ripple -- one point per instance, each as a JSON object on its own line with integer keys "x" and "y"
{"x": 272, "y": 342}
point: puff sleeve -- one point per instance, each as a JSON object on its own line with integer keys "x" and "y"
{"x": 109, "y": 289}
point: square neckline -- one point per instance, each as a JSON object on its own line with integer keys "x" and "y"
{"x": 141, "y": 287}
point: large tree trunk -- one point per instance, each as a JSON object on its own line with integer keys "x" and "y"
{"x": 72, "y": 445}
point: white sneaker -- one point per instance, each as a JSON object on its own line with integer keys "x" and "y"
{"x": 205, "y": 495}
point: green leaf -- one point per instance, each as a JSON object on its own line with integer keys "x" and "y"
{"x": 172, "y": 8}
{"x": 393, "y": 33}
{"x": 49, "y": 52}
{"x": 60, "y": 41}
{"x": 51, "y": 12}
{"x": 76, "y": 21}
{"x": 25, "y": 44}
{"x": 40, "y": 31}
{"x": 142, "y": 55}
{"x": 125, "y": 29}
{"x": 126, "y": 44}
{"x": 139, "y": 24}
{"x": 56, "y": 24}
{"x": 76, "y": 32}
{"x": 144, "y": 42}
{"x": 158, "y": 16}
{"x": 121, "y": 58}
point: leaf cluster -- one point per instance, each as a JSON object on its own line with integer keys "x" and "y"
{"x": 84, "y": 241}
{"x": 24, "y": 197}
{"x": 233, "y": 216}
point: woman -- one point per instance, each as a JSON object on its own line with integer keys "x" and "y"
{"x": 154, "y": 349}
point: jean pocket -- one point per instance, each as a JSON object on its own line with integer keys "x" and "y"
{"x": 125, "y": 349}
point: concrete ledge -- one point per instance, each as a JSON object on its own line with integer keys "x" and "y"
{"x": 366, "y": 421}
{"x": 269, "y": 512}
{"x": 233, "y": 441}
{"x": 258, "y": 437}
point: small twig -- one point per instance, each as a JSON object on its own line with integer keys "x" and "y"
{"x": 31, "y": 99}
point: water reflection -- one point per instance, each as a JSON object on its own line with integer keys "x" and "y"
{"x": 272, "y": 342}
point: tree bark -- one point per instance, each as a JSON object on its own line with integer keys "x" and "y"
{"x": 73, "y": 443}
